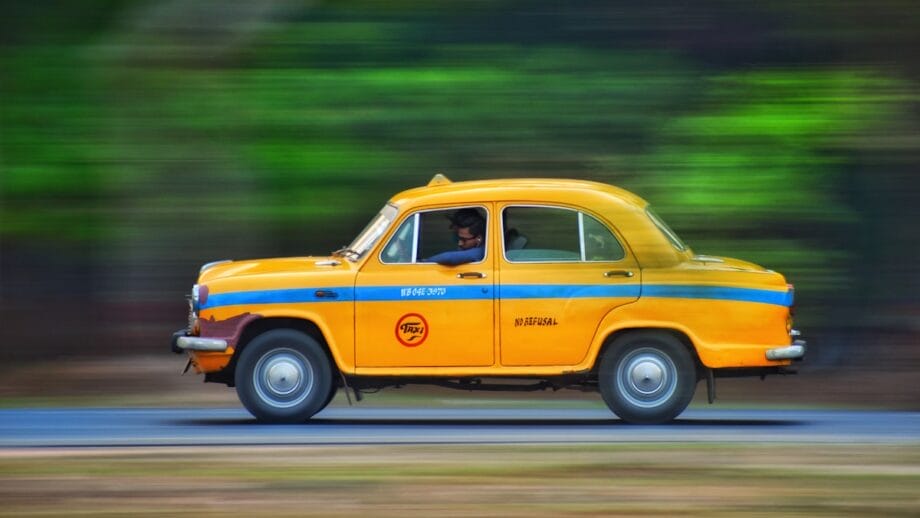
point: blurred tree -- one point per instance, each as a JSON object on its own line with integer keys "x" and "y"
{"x": 139, "y": 139}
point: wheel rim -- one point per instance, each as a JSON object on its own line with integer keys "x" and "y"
{"x": 646, "y": 378}
{"x": 283, "y": 378}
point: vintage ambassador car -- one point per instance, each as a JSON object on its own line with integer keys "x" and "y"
{"x": 574, "y": 284}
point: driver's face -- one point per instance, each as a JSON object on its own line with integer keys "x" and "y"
{"x": 465, "y": 238}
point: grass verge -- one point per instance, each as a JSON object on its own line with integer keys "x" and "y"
{"x": 467, "y": 480}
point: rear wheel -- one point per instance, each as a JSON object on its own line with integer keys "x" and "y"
{"x": 284, "y": 376}
{"x": 647, "y": 378}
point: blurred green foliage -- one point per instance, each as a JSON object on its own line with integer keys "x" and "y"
{"x": 169, "y": 133}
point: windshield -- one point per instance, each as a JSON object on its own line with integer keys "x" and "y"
{"x": 371, "y": 233}
{"x": 666, "y": 230}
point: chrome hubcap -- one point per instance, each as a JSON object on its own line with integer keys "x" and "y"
{"x": 646, "y": 378}
{"x": 283, "y": 378}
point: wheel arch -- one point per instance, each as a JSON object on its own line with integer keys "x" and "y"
{"x": 618, "y": 337}
{"x": 269, "y": 323}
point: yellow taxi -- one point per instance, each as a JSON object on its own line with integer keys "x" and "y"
{"x": 521, "y": 284}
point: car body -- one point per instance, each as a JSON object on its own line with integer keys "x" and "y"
{"x": 581, "y": 286}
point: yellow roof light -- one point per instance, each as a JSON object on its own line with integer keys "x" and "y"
{"x": 439, "y": 179}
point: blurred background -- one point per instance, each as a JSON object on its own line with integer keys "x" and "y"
{"x": 140, "y": 139}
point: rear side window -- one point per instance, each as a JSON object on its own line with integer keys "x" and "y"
{"x": 555, "y": 234}
{"x": 600, "y": 244}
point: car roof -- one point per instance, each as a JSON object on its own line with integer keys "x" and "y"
{"x": 442, "y": 190}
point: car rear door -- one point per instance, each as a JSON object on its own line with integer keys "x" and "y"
{"x": 561, "y": 271}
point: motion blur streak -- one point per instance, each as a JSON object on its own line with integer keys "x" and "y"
{"x": 141, "y": 139}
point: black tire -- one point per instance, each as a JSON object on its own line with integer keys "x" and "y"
{"x": 647, "y": 377}
{"x": 329, "y": 398}
{"x": 284, "y": 376}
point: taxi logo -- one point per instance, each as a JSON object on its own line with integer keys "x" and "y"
{"x": 411, "y": 330}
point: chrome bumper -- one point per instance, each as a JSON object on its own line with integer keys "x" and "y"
{"x": 790, "y": 352}
{"x": 181, "y": 342}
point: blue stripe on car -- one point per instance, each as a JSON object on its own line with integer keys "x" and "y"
{"x": 567, "y": 291}
{"x": 287, "y": 296}
{"x": 779, "y": 298}
{"x": 394, "y": 293}
{"x": 485, "y": 292}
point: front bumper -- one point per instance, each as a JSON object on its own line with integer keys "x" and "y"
{"x": 182, "y": 342}
{"x": 790, "y": 352}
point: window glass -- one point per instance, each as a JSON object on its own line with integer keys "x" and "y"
{"x": 400, "y": 248}
{"x": 371, "y": 233}
{"x": 553, "y": 234}
{"x": 666, "y": 230}
{"x": 426, "y": 236}
{"x": 600, "y": 244}
{"x": 547, "y": 233}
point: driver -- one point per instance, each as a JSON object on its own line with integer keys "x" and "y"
{"x": 470, "y": 228}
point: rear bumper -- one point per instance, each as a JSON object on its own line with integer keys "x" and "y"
{"x": 790, "y": 352}
{"x": 181, "y": 342}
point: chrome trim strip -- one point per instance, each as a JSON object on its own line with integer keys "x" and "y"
{"x": 196, "y": 343}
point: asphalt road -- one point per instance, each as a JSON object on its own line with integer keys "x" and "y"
{"x": 357, "y": 425}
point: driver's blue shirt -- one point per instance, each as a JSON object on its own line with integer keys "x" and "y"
{"x": 455, "y": 257}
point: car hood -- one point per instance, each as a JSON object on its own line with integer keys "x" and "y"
{"x": 223, "y": 270}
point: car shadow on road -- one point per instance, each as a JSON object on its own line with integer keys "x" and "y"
{"x": 496, "y": 422}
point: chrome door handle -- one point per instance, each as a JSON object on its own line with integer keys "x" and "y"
{"x": 618, "y": 273}
{"x": 471, "y": 275}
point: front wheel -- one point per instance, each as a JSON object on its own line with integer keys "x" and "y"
{"x": 647, "y": 378}
{"x": 283, "y": 376}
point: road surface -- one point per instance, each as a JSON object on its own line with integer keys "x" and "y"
{"x": 365, "y": 425}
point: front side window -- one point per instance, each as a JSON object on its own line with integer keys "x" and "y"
{"x": 555, "y": 234}
{"x": 444, "y": 236}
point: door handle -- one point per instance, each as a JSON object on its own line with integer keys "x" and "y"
{"x": 618, "y": 273}
{"x": 325, "y": 294}
{"x": 471, "y": 275}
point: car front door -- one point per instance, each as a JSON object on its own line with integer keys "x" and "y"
{"x": 410, "y": 312}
